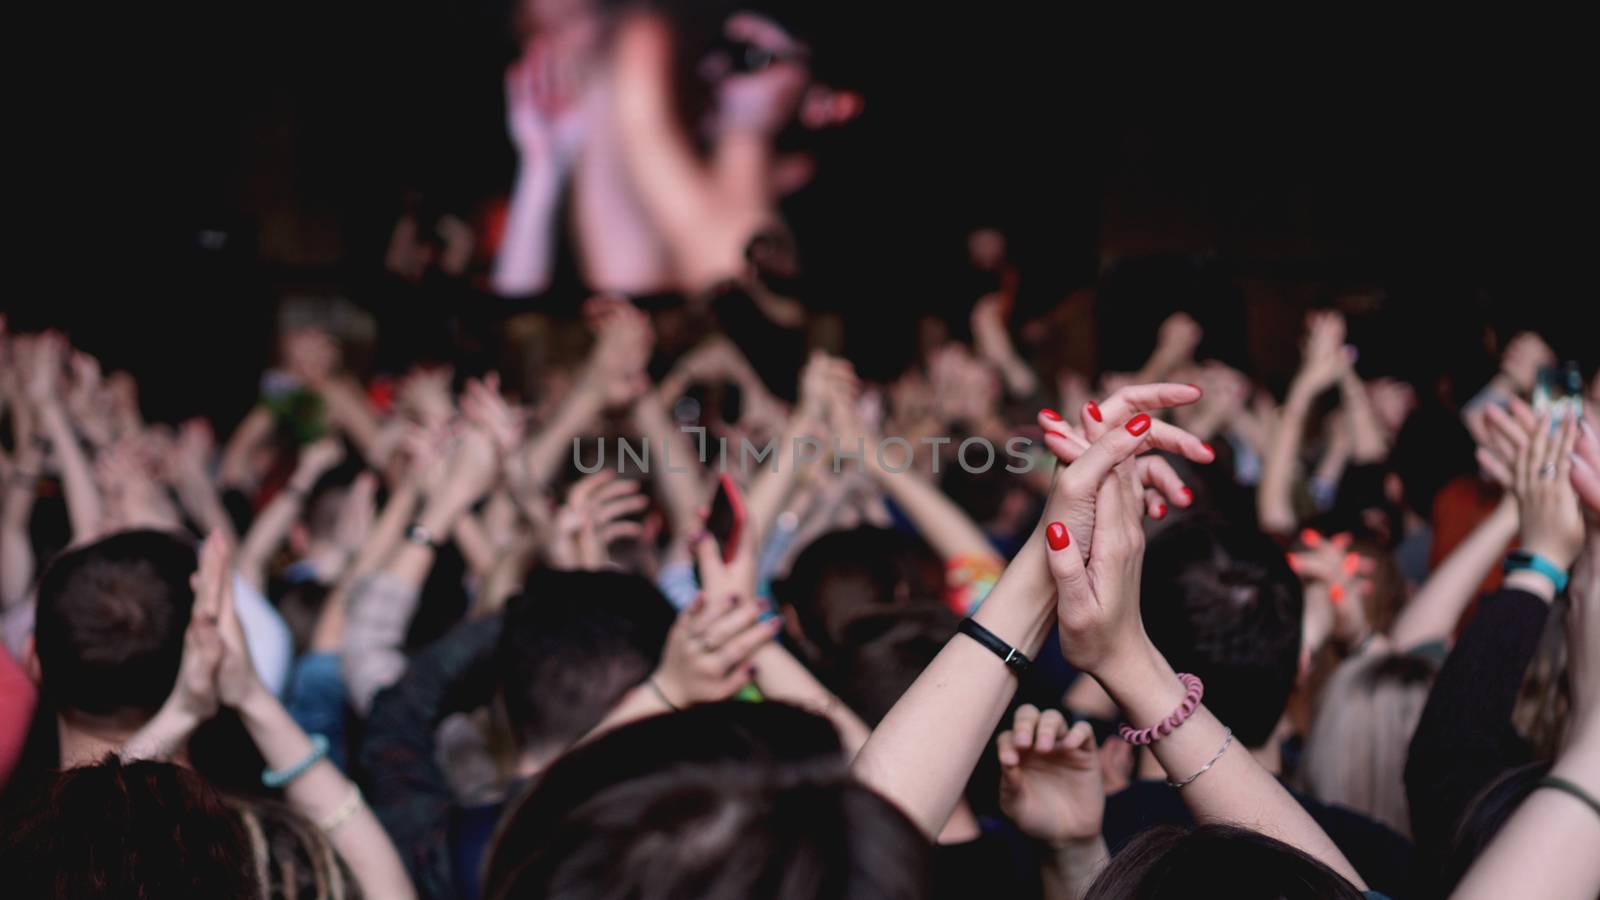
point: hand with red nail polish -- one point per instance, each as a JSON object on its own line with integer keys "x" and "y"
{"x": 1057, "y": 536}
{"x": 1095, "y": 537}
{"x": 1159, "y": 478}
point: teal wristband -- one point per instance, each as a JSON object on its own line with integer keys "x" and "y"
{"x": 319, "y": 749}
{"x": 1520, "y": 560}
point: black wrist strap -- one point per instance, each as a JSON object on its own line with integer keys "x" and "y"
{"x": 1015, "y": 659}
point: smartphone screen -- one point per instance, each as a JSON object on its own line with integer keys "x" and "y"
{"x": 1559, "y": 391}
{"x": 725, "y": 517}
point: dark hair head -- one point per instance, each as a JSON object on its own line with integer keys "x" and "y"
{"x": 844, "y": 575}
{"x": 110, "y": 623}
{"x": 143, "y": 829}
{"x": 1222, "y": 603}
{"x": 883, "y": 653}
{"x": 726, "y": 800}
{"x": 1171, "y": 862}
{"x": 571, "y": 645}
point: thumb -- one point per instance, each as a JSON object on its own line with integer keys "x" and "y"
{"x": 1066, "y": 566}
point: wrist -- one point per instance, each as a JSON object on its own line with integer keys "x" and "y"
{"x": 258, "y": 706}
{"x": 1142, "y": 683}
{"x": 1531, "y": 582}
{"x": 1560, "y": 557}
{"x": 1020, "y": 609}
{"x": 1075, "y": 853}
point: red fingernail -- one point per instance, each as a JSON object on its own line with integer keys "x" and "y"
{"x": 1161, "y": 511}
{"x": 1138, "y": 424}
{"x": 1188, "y": 496}
{"x": 1311, "y": 537}
{"x": 1352, "y": 562}
{"x": 1294, "y": 563}
{"x": 1336, "y": 593}
{"x": 1207, "y": 448}
{"x": 1050, "y": 414}
{"x": 1057, "y": 535}
{"x": 1093, "y": 410}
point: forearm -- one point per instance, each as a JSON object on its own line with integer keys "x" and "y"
{"x": 1235, "y": 789}
{"x": 234, "y": 469}
{"x": 639, "y": 703}
{"x": 200, "y": 500}
{"x": 783, "y": 678}
{"x": 322, "y": 794}
{"x": 1547, "y": 847}
{"x": 475, "y": 545}
{"x": 1068, "y": 870}
{"x": 163, "y": 737}
{"x": 1274, "y": 509}
{"x": 84, "y": 506}
{"x": 16, "y": 550}
{"x": 527, "y": 251}
{"x": 681, "y": 491}
{"x": 1433, "y": 613}
{"x": 1368, "y": 443}
{"x": 349, "y": 411}
{"x": 773, "y": 487}
{"x": 552, "y": 445}
{"x": 943, "y": 524}
{"x": 271, "y": 526}
{"x": 922, "y": 753}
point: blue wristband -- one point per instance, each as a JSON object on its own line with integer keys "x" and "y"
{"x": 1519, "y": 560}
{"x": 319, "y": 749}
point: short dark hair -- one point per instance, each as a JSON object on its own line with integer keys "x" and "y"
{"x": 720, "y": 801}
{"x": 1171, "y": 862}
{"x": 145, "y": 829}
{"x": 883, "y": 653}
{"x": 571, "y": 645}
{"x": 110, "y": 622}
{"x": 844, "y": 575}
{"x": 1221, "y": 602}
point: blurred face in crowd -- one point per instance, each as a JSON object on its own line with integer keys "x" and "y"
{"x": 986, "y": 247}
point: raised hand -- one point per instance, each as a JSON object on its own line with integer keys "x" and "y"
{"x": 761, "y": 101}
{"x": 544, "y": 117}
{"x": 213, "y": 603}
{"x": 623, "y": 343}
{"x": 708, "y": 651}
{"x": 1178, "y": 336}
{"x": 1097, "y": 588}
{"x": 1127, "y": 411}
{"x": 1586, "y": 467}
{"x": 44, "y": 357}
{"x": 423, "y": 396}
{"x": 1552, "y": 519}
{"x": 1326, "y": 356}
{"x": 1050, "y": 783}
{"x": 593, "y": 516}
{"x": 484, "y": 407}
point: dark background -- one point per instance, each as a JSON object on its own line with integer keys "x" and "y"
{"x": 1449, "y": 168}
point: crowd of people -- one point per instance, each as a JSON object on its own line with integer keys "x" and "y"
{"x": 437, "y": 641}
{"x": 668, "y": 600}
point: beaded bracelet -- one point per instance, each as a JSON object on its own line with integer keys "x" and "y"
{"x": 1193, "y": 691}
{"x": 277, "y": 779}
